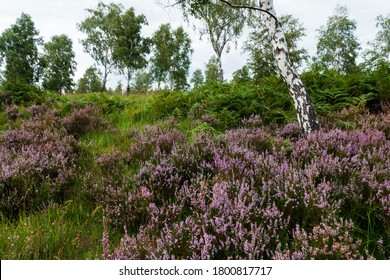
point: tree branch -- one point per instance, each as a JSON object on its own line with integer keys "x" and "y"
{"x": 249, "y": 8}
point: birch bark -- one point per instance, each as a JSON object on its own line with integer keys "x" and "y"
{"x": 307, "y": 117}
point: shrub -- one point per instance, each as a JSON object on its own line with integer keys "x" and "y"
{"x": 256, "y": 194}
{"x": 84, "y": 120}
{"x": 38, "y": 165}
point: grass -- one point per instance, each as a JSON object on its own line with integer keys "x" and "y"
{"x": 69, "y": 231}
{"x": 73, "y": 230}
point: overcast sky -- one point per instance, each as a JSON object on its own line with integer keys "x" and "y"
{"x": 61, "y": 16}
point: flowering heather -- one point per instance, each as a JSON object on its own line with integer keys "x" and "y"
{"x": 84, "y": 120}
{"x": 37, "y": 164}
{"x": 12, "y": 112}
{"x": 252, "y": 194}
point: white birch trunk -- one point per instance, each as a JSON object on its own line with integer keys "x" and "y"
{"x": 307, "y": 117}
{"x": 220, "y": 69}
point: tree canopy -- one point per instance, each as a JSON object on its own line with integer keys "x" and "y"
{"x": 19, "y": 50}
{"x": 100, "y": 27}
{"x": 338, "y": 46}
{"x": 262, "y": 60}
{"x": 171, "y": 56}
{"x": 59, "y": 64}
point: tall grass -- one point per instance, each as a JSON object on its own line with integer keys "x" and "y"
{"x": 217, "y": 172}
{"x": 57, "y": 232}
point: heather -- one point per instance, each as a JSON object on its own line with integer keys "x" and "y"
{"x": 251, "y": 193}
{"x": 38, "y": 164}
{"x": 113, "y": 177}
{"x": 214, "y": 166}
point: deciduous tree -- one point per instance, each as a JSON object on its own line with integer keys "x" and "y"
{"x": 100, "y": 27}
{"x": 220, "y": 23}
{"x": 19, "y": 50}
{"x": 130, "y": 46}
{"x": 212, "y": 72}
{"x": 60, "y": 64}
{"x": 90, "y": 82}
{"x": 171, "y": 56}
{"x": 197, "y": 78}
{"x": 143, "y": 81}
{"x": 338, "y": 46}
{"x": 262, "y": 61}
{"x": 306, "y": 115}
{"x": 379, "y": 50}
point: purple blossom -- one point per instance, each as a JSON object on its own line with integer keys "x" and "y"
{"x": 253, "y": 194}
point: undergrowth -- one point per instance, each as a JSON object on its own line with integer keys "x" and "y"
{"x": 219, "y": 172}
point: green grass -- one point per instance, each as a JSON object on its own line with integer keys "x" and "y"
{"x": 74, "y": 229}
{"x": 69, "y": 231}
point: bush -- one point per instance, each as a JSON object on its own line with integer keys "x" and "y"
{"x": 17, "y": 93}
{"x": 38, "y": 165}
{"x": 256, "y": 194}
{"x": 82, "y": 121}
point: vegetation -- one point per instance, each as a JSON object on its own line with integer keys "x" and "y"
{"x": 338, "y": 46}
{"x": 59, "y": 64}
{"x": 171, "y": 56}
{"x": 219, "y": 171}
{"x": 19, "y": 48}
{"x": 219, "y": 23}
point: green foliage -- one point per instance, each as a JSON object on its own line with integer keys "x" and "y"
{"x": 71, "y": 231}
{"x": 171, "y": 56}
{"x": 213, "y": 71}
{"x": 220, "y": 23}
{"x": 332, "y": 91}
{"x": 106, "y": 103}
{"x": 114, "y": 142}
{"x": 379, "y": 49}
{"x": 228, "y": 103}
{"x": 100, "y": 27}
{"x": 202, "y": 128}
{"x": 143, "y": 81}
{"x": 21, "y": 93}
{"x": 197, "y": 78}
{"x": 242, "y": 75}
{"x": 379, "y": 80}
{"x": 59, "y": 64}
{"x": 262, "y": 61}
{"x": 19, "y": 48}
{"x": 90, "y": 82}
{"x": 130, "y": 47}
{"x": 338, "y": 47}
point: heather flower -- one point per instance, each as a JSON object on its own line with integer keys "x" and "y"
{"x": 38, "y": 164}
{"x": 252, "y": 121}
{"x": 252, "y": 194}
{"x": 84, "y": 120}
{"x": 12, "y": 112}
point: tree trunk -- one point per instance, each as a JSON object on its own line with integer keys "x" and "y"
{"x": 104, "y": 82}
{"x": 307, "y": 117}
{"x": 220, "y": 69}
{"x": 129, "y": 76}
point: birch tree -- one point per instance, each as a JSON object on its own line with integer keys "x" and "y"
{"x": 19, "y": 50}
{"x": 220, "y": 23}
{"x": 171, "y": 56}
{"x": 261, "y": 58}
{"x": 306, "y": 114}
{"x": 99, "y": 27}
{"x": 60, "y": 64}
{"x": 338, "y": 46}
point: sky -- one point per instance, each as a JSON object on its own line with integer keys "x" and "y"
{"x": 61, "y": 16}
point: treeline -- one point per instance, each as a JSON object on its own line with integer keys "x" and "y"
{"x": 115, "y": 41}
